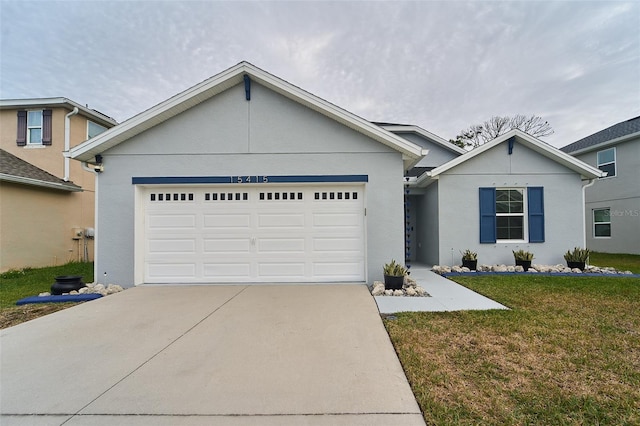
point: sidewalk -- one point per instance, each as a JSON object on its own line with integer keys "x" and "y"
{"x": 446, "y": 295}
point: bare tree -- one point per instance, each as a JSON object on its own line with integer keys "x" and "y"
{"x": 478, "y": 134}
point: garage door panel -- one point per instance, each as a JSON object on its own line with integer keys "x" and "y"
{"x": 226, "y": 245}
{"x": 160, "y": 272}
{"x": 227, "y": 221}
{"x": 282, "y": 270}
{"x": 337, "y": 244}
{"x": 169, "y": 246}
{"x": 281, "y": 220}
{"x": 215, "y": 271}
{"x": 342, "y": 269}
{"x": 335, "y": 220}
{"x": 281, "y": 245}
{"x": 173, "y": 221}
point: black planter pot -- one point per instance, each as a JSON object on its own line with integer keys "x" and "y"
{"x": 471, "y": 264}
{"x": 66, "y": 284}
{"x": 526, "y": 264}
{"x": 392, "y": 282}
{"x": 579, "y": 265}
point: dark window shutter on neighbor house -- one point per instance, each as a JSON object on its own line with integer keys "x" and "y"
{"x": 22, "y": 128}
{"x": 487, "y": 215}
{"x": 46, "y": 127}
{"x": 535, "y": 197}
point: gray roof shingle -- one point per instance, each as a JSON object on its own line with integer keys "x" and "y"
{"x": 12, "y": 166}
{"x": 616, "y": 131}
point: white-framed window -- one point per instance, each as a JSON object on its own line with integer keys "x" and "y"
{"x": 511, "y": 214}
{"x": 607, "y": 161}
{"x": 94, "y": 129}
{"x": 34, "y": 127}
{"x": 602, "y": 223}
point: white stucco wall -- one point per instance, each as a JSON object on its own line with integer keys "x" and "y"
{"x": 229, "y": 136}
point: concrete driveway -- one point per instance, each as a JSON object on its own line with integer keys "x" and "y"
{"x": 207, "y": 355}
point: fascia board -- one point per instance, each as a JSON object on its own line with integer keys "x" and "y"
{"x": 155, "y": 115}
{"x": 57, "y": 102}
{"x": 604, "y": 144}
{"x": 534, "y": 144}
{"x": 41, "y": 183}
{"x": 427, "y": 134}
{"x": 226, "y": 79}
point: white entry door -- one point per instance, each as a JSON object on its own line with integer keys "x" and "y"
{"x": 262, "y": 233}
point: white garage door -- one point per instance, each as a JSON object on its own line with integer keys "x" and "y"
{"x": 254, "y": 234}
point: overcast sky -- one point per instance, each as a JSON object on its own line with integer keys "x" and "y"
{"x": 439, "y": 65}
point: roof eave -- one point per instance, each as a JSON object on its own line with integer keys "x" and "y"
{"x": 425, "y": 133}
{"x": 58, "y": 102}
{"x": 40, "y": 183}
{"x": 223, "y": 81}
{"x": 604, "y": 144}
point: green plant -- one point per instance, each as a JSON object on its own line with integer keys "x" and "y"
{"x": 469, "y": 255}
{"x": 394, "y": 269}
{"x": 523, "y": 255}
{"x": 577, "y": 255}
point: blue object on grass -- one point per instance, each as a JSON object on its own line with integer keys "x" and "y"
{"x": 59, "y": 299}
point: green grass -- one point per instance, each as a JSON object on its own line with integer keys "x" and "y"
{"x": 17, "y": 284}
{"x": 566, "y": 353}
{"x": 624, "y": 262}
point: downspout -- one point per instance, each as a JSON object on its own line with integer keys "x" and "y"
{"x": 67, "y": 141}
{"x": 584, "y": 210}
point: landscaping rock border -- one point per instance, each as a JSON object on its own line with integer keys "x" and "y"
{"x": 410, "y": 288}
{"x": 92, "y": 288}
{"x": 548, "y": 269}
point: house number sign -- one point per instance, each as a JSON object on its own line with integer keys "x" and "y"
{"x": 250, "y": 179}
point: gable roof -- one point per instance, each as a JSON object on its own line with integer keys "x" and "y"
{"x": 614, "y": 134}
{"x": 554, "y": 154}
{"x": 92, "y": 114}
{"x": 223, "y": 81}
{"x": 16, "y": 170}
{"x": 410, "y": 128}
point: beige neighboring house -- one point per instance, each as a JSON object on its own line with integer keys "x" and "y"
{"x": 46, "y": 200}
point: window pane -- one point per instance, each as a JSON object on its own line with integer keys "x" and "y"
{"x": 603, "y": 230}
{"x": 515, "y": 195}
{"x": 35, "y": 135}
{"x": 34, "y": 118}
{"x": 502, "y": 195}
{"x": 606, "y": 156}
{"x": 516, "y": 207}
{"x": 609, "y": 168}
{"x": 502, "y": 207}
{"x": 601, "y": 215}
{"x": 510, "y": 228}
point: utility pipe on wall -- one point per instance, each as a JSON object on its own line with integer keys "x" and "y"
{"x": 67, "y": 141}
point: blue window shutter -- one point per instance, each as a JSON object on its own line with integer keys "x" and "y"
{"x": 487, "y": 215}
{"x": 535, "y": 197}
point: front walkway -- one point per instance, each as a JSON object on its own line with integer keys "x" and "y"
{"x": 446, "y": 295}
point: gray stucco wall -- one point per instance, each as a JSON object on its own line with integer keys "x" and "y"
{"x": 437, "y": 155}
{"x": 428, "y": 226}
{"x": 228, "y": 136}
{"x": 621, "y": 194}
{"x": 459, "y": 227}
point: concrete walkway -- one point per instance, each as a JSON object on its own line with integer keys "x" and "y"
{"x": 446, "y": 295}
{"x": 207, "y": 355}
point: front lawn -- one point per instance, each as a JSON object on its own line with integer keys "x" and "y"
{"x": 17, "y": 284}
{"x": 621, "y": 261}
{"x": 568, "y": 352}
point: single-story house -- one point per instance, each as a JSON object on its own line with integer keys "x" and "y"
{"x": 248, "y": 178}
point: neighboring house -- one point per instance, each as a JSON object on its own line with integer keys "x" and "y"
{"x": 613, "y": 202}
{"x": 47, "y": 200}
{"x": 247, "y": 178}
